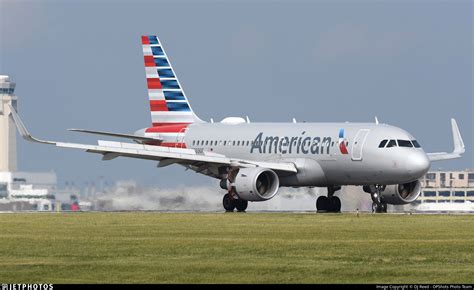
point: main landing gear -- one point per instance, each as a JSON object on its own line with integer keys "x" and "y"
{"x": 231, "y": 203}
{"x": 378, "y": 205}
{"x": 330, "y": 203}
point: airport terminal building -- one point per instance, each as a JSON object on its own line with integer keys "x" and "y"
{"x": 22, "y": 190}
{"x": 447, "y": 190}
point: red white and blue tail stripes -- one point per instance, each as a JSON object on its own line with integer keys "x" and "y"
{"x": 170, "y": 109}
{"x": 168, "y": 103}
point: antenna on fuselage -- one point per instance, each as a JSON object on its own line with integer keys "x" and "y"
{"x": 376, "y": 120}
{"x": 212, "y": 121}
{"x": 247, "y": 118}
{"x": 294, "y": 120}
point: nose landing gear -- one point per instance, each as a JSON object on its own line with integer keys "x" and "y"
{"x": 378, "y": 205}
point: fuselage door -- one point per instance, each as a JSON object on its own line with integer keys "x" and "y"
{"x": 358, "y": 144}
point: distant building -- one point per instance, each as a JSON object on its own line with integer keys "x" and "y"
{"x": 7, "y": 127}
{"x": 22, "y": 190}
{"x": 447, "y": 191}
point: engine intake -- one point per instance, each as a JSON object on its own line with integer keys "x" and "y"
{"x": 255, "y": 184}
{"x": 401, "y": 193}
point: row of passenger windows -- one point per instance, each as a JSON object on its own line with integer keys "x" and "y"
{"x": 399, "y": 143}
{"x": 238, "y": 143}
{"x": 215, "y": 143}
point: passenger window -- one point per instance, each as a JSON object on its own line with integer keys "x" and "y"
{"x": 225, "y": 142}
{"x": 415, "y": 144}
{"x": 207, "y": 142}
{"x": 382, "y": 144}
{"x": 404, "y": 143}
{"x": 392, "y": 143}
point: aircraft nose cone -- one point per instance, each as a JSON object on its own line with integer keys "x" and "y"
{"x": 417, "y": 164}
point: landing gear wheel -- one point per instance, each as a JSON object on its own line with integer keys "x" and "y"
{"x": 229, "y": 203}
{"x": 322, "y": 204}
{"x": 335, "y": 204}
{"x": 241, "y": 205}
{"x": 379, "y": 207}
{"x": 375, "y": 207}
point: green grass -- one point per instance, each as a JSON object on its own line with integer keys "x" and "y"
{"x": 236, "y": 248}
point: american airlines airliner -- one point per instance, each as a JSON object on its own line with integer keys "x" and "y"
{"x": 253, "y": 160}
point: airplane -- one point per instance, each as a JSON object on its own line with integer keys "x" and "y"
{"x": 253, "y": 160}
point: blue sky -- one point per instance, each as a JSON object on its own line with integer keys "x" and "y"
{"x": 79, "y": 64}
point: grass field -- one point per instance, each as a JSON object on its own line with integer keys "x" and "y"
{"x": 236, "y": 248}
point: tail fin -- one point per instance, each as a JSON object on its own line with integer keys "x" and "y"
{"x": 168, "y": 103}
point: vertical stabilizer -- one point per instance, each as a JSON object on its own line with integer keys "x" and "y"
{"x": 168, "y": 103}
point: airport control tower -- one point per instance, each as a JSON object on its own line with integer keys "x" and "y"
{"x": 7, "y": 127}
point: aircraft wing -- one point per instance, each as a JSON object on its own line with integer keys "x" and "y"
{"x": 166, "y": 155}
{"x": 120, "y": 135}
{"x": 458, "y": 146}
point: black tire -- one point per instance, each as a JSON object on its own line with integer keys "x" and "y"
{"x": 322, "y": 204}
{"x": 335, "y": 204}
{"x": 228, "y": 202}
{"x": 383, "y": 207}
{"x": 376, "y": 208}
{"x": 241, "y": 205}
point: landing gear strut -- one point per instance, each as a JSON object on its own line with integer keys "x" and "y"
{"x": 330, "y": 203}
{"x": 378, "y": 205}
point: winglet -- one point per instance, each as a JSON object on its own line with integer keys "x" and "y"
{"x": 457, "y": 139}
{"x": 458, "y": 146}
{"x": 22, "y": 129}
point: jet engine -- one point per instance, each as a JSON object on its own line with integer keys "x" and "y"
{"x": 254, "y": 184}
{"x": 401, "y": 193}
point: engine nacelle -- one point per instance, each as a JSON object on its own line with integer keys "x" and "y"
{"x": 401, "y": 193}
{"x": 256, "y": 184}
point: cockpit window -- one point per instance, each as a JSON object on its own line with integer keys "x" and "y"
{"x": 392, "y": 143}
{"x": 415, "y": 144}
{"x": 382, "y": 144}
{"x": 404, "y": 143}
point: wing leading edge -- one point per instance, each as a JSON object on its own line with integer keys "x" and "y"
{"x": 166, "y": 155}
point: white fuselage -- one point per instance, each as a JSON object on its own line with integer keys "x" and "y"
{"x": 316, "y": 149}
